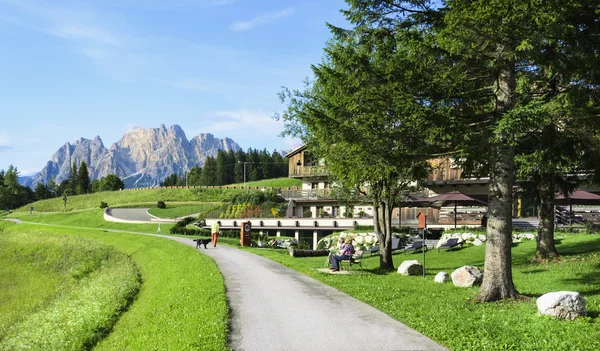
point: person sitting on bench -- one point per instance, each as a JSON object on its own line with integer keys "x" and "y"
{"x": 346, "y": 254}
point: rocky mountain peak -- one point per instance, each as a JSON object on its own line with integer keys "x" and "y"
{"x": 142, "y": 157}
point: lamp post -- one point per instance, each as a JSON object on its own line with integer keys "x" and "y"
{"x": 244, "y": 172}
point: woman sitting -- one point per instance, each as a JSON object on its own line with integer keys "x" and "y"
{"x": 345, "y": 254}
{"x": 338, "y": 247}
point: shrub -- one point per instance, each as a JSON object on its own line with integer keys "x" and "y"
{"x": 307, "y": 214}
{"x": 161, "y": 204}
{"x": 256, "y": 197}
{"x": 103, "y": 204}
{"x": 181, "y": 228}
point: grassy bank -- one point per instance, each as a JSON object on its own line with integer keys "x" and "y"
{"x": 444, "y": 313}
{"x": 149, "y": 197}
{"x": 66, "y": 292}
{"x": 88, "y": 219}
{"x": 129, "y": 198}
{"x": 181, "y": 304}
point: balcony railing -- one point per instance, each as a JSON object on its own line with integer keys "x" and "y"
{"x": 309, "y": 171}
{"x": 308, "y": 194}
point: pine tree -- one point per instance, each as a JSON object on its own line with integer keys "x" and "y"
{"x": 220, "y": 173}
{"x": 209, "y": 172}
{"x": 240, "y": 158}
{"x": 83, "y": 176}
{"x": 73, "y": 179}
{"x": 252, "y": 167}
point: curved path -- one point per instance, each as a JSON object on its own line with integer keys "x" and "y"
{"x": 276, "y": 308}
{"x": 131, "y": 214}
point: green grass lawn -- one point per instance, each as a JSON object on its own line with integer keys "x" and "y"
{"x": 149, "y": 197}
{"x": 180, "y": 305}
{"x": 132, "y": 198}
{"x": 445, "y": 313}
{"x": 88, "y": 219}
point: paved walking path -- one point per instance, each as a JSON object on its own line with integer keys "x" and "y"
{"x": 276, "y": 308}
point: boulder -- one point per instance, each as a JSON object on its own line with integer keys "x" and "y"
{"x": 477, "y": 242}
{"x": 562, "y": 304}
{"x": 412, "y": 267}
{"x": 467, "y": 276}
{"x": 441, "y": 277}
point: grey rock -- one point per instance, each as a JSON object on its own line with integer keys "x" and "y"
{"x": 412, "y": 267}
{"x": 562, "y": 305}
{"x": 467, "y": 276}
{"x": 441, "y": 277}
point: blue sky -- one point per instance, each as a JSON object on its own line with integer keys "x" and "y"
{"x": 75, "y": 68}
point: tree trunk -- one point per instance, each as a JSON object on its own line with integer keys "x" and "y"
{"x": 545, "y": 239}
{"x": 497, "y": 278}
{"x": 383, "y": 228}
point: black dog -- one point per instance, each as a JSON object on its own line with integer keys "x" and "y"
{"x": 202, "y": 242}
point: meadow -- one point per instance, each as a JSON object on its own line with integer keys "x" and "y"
{"x": 177, "y": 302}
{"x": 149, "y": 197}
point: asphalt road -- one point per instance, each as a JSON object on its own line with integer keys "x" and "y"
{"x": 131, "y": 214}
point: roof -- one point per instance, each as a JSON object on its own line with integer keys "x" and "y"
{"x": 296, "y": 151}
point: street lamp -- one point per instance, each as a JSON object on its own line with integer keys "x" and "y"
{"x": 244, "y": 172}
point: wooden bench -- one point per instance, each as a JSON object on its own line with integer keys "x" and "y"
{"x": 355, "y": 259}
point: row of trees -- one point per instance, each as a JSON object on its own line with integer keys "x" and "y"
{"x": 78, "y": 183}
{"x": 228, "y": 168}
{"x": 13, "y": 194}
{"x": 506, "y": 87}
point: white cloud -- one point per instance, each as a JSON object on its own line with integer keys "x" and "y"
{"x": 249, "y": 128}
{"x": 230, "y": 121}
{"x": 4, "y": 140}
{"x": 4, "y": 143}
{"x": 262, "y": 19}
{"x": 200, "y": 85}
{"x": 85, "y": 34}
{"x": 34, "y": 141}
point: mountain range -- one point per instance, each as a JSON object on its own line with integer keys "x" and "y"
{"x": 142, "y": 157}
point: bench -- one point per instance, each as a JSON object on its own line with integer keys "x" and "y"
{"x": 417, "y": 245}
{"x": 452, "y": 242}
{"x": 355, "y": 259}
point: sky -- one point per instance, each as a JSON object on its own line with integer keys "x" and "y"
{"x": 84, "y": 68}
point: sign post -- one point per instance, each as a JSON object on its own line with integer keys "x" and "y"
{"x": 246, "y": 233}
{"x": 422, "y": 226}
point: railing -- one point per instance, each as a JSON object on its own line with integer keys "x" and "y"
{"x": 578, "y": 216}
{"x": 307, "y": 194}
{"x": 308, "y": 171}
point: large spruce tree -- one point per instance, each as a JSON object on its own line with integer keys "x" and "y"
{"x": 470, "y": 78}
